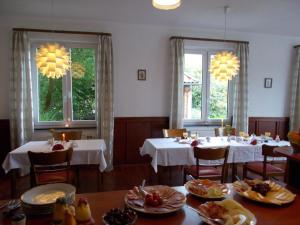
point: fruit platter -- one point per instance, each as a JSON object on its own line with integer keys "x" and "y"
{"x": 157, "y": 199}
{"x": 264, "y": 191}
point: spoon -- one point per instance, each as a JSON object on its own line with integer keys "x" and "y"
{"x": 218, "y": 221}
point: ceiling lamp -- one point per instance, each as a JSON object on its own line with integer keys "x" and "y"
{"x": 78, "y": 70}
{"x": 224, "y": 65}
{"x": 52, "y": 60}
{"x": 166, "y": 4}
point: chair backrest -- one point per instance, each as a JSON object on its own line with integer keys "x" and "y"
{"x": 212, "y": 154}
{"x": 173, "y": 132}
{"x": 268, "y": 151}
{"x": 49, "y": 162}
{"x": 223, "y": 131}
{"x": 69, "y": 135}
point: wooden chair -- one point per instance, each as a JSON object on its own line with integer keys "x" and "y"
{"x": 173, "y": 132}
{"x": 266, "y": 168}
{"x": 69, "y": 134}
{"x": 223, "y": 131}
{"x": 208, "y": 172}
{"x": 50, "y": 167}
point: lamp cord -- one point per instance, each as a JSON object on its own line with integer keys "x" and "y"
{"x": 225, "y": 21}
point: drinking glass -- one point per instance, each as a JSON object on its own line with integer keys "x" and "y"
{"x": 185, "y": 135}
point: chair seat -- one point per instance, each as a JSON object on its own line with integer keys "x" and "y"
{"x": 258, "y": 168}
{"x": 204, "y": 171}
{"x": 55, "y": 177}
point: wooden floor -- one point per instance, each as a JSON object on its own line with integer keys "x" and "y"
{"x": 121, "y": 178}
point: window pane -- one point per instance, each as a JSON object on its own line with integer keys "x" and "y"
{"x": 50, "y": 99}
{"x": 218, "y": 99}
{"x": 192, "y": 92}
{"x": 83, "y": 83}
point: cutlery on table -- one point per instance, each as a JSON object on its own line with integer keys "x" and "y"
{"x": 218, "y": 221}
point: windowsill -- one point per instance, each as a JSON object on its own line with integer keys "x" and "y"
{"x": 75, "y": 127}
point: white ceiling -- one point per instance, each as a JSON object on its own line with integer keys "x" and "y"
{"x": 262, "y": 16}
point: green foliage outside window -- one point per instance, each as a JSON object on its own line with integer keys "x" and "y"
{"x": 83, "y": 90}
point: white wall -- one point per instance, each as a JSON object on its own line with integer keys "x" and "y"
{"x": 140, "y": 46}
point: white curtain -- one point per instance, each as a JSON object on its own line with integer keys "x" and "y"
{"x": 295, "y": 95}
{"x": 21, "y": 110}
{"x": 177, "y": 56}
{"x": 240, "y": 90}
{"x": 104, "y": 101}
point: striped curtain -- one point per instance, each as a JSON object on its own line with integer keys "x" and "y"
{"x": 104, "y": 101}
{"x": 21, "y": 106}
{"x": 240, "y": 90}
{"x": 177, "y": 56}
{"x": 295, "y": 95}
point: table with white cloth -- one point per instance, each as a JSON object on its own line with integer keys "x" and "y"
{"x": 85, "y": 152}
{"x": 169, "y": 152}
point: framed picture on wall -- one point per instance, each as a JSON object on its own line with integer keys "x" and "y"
{"x": 141, "y": 74}
{"x": 268, "y": 83}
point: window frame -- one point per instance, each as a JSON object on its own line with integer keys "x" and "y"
{"x": 67, "y": 121}
{"x": 206, "y": 52}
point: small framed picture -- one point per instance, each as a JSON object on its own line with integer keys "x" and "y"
{"x": 268, "y": 83}
{"x": 141, "y": 74}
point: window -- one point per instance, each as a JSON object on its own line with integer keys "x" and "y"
{"x": 69, "y": 101}
{"x": 206, "y": 100}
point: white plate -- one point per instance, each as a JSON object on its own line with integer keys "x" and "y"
{"x": 159, "y": 209}
{"x": 223, "y": 188}
{"x": 49, "y": 192}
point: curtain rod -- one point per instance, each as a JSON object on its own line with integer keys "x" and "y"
{"x": 208, "y": 39}
{"x": 61, "y": 31}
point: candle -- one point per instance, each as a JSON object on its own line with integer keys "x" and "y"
{"x": 63, "y": 137}
{"x": 221, "y": 122}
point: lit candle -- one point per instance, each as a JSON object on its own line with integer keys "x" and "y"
{"x": 221, "y": 122}
{"x": 63, "y": 137}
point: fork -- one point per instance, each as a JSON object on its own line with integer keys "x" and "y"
{"x": 218, "y": 221}
{"x": 11, "y": 204}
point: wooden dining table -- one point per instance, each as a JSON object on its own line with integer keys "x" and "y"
{"x": 102, "y": 202}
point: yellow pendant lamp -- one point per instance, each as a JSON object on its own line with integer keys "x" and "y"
{"x": 225, "y": 65}
{"x": 78, "y": 70}
{"x": 166, "y": 4}
{"x": 53, "y": 60}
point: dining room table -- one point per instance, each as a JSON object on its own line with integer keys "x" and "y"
{"x": 172, "y": 152}
{"x": 102, "y": 202}
{"x": 85, "y": 152}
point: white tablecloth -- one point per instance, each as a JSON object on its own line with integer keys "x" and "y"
{"x": 168, "y": 152}
{"x": 85, "y": 152}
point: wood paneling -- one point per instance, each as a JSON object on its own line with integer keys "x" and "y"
{"x": 275, "y": 125}
{"x": 5, "y": 142}
{"x": 130, "y": 134}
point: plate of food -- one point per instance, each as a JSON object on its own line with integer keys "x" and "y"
{"x": 264, "y": 191}
{"x": 206, "y": 188}
{"x": 157, "y": 199}
{"x": 227, "y": 211}
{"x": 47, "y": 194}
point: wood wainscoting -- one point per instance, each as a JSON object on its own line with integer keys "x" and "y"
{"x": 5, "y": 141}
{"x": 275, "y": 125}
{"x": 130, "y": 134}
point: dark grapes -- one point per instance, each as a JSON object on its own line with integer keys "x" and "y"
{"x": 261, "y": 188}
{"x": 119, "y": 217}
